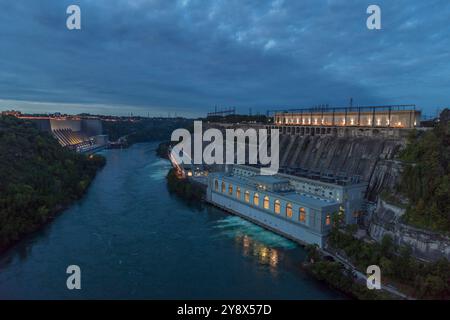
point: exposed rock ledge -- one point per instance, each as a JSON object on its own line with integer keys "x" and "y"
{"x": 425, "y": 244}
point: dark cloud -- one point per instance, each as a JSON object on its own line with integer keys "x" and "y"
{"x": 187, "y": 56}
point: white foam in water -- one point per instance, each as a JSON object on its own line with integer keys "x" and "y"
{"x": 235, "y": 226}
{"x": 161, "y": 172}
{"x": 159, "y": 175}
{"x": 159, "y": 163}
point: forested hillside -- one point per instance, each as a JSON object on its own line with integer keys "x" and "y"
{"x": 426, "y": 178}
{"x": 37, "y": 178}
{"x": 144, "y": 130}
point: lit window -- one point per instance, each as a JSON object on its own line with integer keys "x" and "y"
{"x": 216, "y": 185}
{"x": 302, "y": 215}
{"x": 277, "y": 206}
{"x": 230, "y": 189}
{"x": 247, "y": 196}
{"x": 266, "y": 202}
{"x": 289, "y": 210}
{"x": 238, "y": 192}
{"x": 256, "y": 199}
{"x": 328, "y": 220}
{"x": 223, "y": 187}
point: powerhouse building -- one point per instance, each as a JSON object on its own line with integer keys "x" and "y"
{"x": 79, "y": 134}
{"x": 395, "y": 116}
{"x": 297, "y": 207}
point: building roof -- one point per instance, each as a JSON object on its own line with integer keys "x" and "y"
{"x": 268, "y": 179}
{"x": 298, "y": 198}
{"x": 311, "y": 200}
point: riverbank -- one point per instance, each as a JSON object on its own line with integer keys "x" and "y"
{"x": 38, "y": 179}
{"x": 340, "y": 277}
{"x": 186, "y": 189}
{"x": 401, "y": 272}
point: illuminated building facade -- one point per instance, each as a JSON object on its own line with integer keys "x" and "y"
{"x": 78, "y": 134}
{"x": 395, "y": 116}
{"x": 299, "y": 208}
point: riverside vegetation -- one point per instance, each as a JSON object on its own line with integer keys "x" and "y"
{"x": 425, "y": 182}
{"x": 184, "y": 188}
{"x": 416, "y": 278}
{"x": 38, "y": 178}
{"x": 144, "y": 129}
{"x": 426, "y": 178}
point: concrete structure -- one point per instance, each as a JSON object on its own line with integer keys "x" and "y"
{"x": 344, "y": 121}
{"x": 78, "y": 134}
{"x": 296, "y": 207}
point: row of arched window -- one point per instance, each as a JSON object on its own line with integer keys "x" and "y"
{"x": 266, "y": 201}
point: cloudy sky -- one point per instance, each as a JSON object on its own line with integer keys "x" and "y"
{"x": 186, "y": 56}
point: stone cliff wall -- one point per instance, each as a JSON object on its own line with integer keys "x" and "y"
{"x": 372, "y": 158}
{"x": 427, "y": 245}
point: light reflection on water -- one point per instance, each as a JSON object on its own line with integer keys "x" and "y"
{"x": 254, "y": 241}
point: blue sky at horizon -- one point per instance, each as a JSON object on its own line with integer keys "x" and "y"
{"x": 184, "y": 57}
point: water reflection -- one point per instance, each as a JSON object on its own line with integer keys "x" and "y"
{"x": 255, "y": 242}
{"x": 252, "y": 248}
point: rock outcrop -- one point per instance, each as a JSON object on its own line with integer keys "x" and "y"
{"x": 427, "y": 245}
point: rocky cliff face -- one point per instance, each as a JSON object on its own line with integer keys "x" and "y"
{"x": 372, "y": 158}
{"x": 427, "y": 245}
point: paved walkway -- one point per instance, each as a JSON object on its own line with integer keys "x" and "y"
{"x": 361, "y": 277}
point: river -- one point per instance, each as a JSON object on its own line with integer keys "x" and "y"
{"x": 132, "y": 239}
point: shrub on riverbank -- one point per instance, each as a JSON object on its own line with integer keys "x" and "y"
{"x": 37, "y": 178}
{"x": 163, "y": 149}
{"x": 184, "y": 188}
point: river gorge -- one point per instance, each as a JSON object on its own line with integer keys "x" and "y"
{"x": 133, "y": 239}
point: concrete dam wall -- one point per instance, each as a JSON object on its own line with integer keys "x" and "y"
{"x": 371, "y": 158}
{"x": 369, "y": 154}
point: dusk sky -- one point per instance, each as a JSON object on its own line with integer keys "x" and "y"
{"x": 185, "y": 57}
